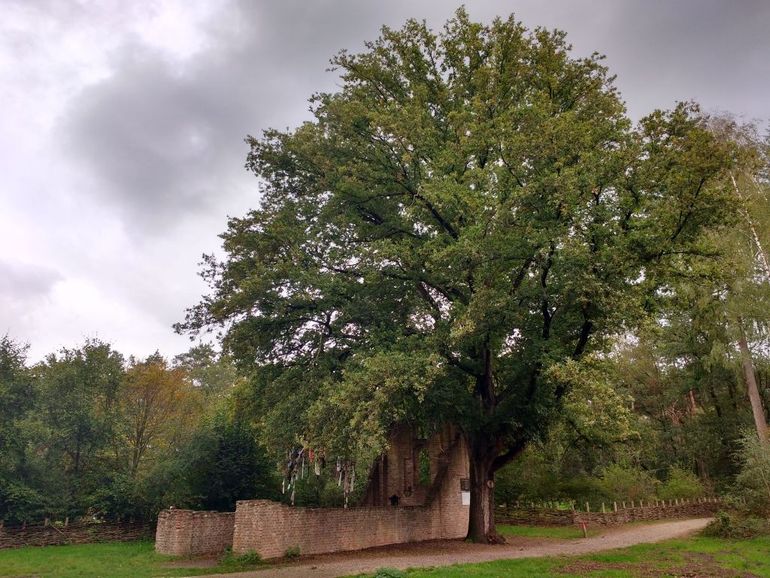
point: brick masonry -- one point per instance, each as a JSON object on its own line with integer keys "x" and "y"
{"x": 425, "y": 512}
{"x": 191, "y": 533}
{"x": 270, "y": 529}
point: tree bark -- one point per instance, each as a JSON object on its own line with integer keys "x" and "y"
{"x": 751, "y": 385}
{"x": 481, "y": 522}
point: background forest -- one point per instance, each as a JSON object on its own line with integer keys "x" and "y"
{"x": 89, "y": 433}
{"x": 695, "y": 383}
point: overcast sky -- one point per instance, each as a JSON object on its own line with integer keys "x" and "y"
{"x": 122, "y": 126}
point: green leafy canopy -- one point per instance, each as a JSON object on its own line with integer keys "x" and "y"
{"x": 471, "y": 209}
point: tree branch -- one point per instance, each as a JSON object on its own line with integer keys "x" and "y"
{"x": 511, "y": 454}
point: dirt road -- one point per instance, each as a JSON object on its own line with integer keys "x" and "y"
{"x": 445, "y": 553}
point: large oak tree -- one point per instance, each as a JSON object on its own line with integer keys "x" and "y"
{"x": 461, "y": 224}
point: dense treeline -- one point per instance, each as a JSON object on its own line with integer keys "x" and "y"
{"x": 87, "y": 432}
{"x": 687, "y": 420}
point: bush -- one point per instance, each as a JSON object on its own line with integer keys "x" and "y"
{"x": 752, "y": 484}
{"x": 620, "y": 483}
{"x": 242, "y": 561}
{"x": 581, "y": 489}
{"x": 119, "y": 498}
{"x": 733, "y": 525}
{"x": 20, "y": 503}
{"x": 530, "y": 478}
{"x": 681, "y": 484}
{"x": 292, "y": 552}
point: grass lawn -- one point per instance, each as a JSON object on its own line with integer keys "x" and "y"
{"x": 690, "y": 557}
{"x": 108, "y": 560}
{"x": 561, "y": 532}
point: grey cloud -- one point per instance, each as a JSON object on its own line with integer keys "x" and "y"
{"x": 711, "y": 51}
{"x": 22, "y": 284}
{"x": 165, "y": 139}
{"x": 162, "y": 138}
{"x": 159, "y": 141}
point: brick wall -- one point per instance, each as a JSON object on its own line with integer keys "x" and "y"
{"x": 396, "y": 474}
{"x": 426, "y": 512}
{"x": 661, "y": 511}
{"x": 191, "y": 533}
{"x": 47, "y": 535}
{"x": 269, "y": 528}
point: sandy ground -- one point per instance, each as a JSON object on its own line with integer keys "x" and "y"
{"x": 448, "y": 552}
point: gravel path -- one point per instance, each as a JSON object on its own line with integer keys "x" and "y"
{"x": 447, "y": 552}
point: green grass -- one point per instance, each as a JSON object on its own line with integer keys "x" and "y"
{"x": 690, "y": 557}
{"x": 107, "y": 560}
{"x": 562, "y": 532}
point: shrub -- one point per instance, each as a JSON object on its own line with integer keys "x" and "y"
{"x": 581, "y": 489}
{"x": 20, "y": 503}
{"x": 733, "y": 525}
{"x": 627, "y": 483}
{"x": 753, "y": 481}
{"x": 249, "y": 558}
{"x": 242, "y": 561}
{"x": 681, "y": 484}
{"x": 291, "y": 552}
{"x": 529, "y": 478}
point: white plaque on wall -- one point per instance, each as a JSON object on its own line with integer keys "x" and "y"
{"x": 466, "y": 498}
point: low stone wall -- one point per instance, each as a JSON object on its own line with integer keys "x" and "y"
{"x": 535, "y": 516}
{"x": 688, "y": 509}
{"x": 49, "y": 535}
{"x": 270, "y": 529}
{"x": 191, "y": 533}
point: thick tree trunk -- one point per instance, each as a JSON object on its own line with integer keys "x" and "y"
{"x": 481, "y": 523}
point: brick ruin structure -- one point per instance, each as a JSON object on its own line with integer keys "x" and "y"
{"x": 417, "y": 490}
